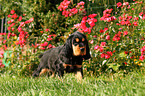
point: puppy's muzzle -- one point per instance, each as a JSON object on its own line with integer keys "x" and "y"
{"x": 82, "y": 49}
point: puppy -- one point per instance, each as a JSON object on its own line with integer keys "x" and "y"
{"x": 68, "y": 57}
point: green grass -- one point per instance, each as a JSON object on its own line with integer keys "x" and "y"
{"x": 132, "y": 84}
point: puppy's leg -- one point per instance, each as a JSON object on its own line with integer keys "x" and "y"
{"x": 79, "y": 73}
{"x": 38, "y": 70}
{"x": 60, "y": 70}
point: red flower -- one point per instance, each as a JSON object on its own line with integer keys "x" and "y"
{"x": 20, "y": 18}
{"x": 125, "y": 63}
{"x": 92, "y": 15}
{"x": 35, "y": 46}
{"x": 101, "y": 49}
{"x": 41, "y": 31}
{"x": 116, "y": 37}
{"x": 47, "y": 30}
{"x": 126, "y": 52}
{"x": 14, "y": 16}
{"x": 135, "y": 23}
{"x": 101, "y": 31}
{"x": 12, "y": 11}
{"x": 119, "y": 4}
{"x": 102, "y": 55}
{"x": 141, "y": 13}
{"x": 109, "y": 53}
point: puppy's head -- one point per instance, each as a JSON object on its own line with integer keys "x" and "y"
{"x": 79, "y": 45}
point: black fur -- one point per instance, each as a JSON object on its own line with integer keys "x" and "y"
{"x": 54, "y": 58}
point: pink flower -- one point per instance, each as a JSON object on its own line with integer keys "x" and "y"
{"x": 91, "y": 41}
{"x": 96, "y": 47}
{"x": 49, "y": 39}
{"x": 108, "y": 37}
{"x": 50, "y": 46}
{"x": 12, "y": 24}
{"x": 42, "y": 48}
{"x": 105, "y": 29}
{"x": 9, "y": 28}
{"x": 142, "y": 57}
{"x": 107, "y": 56}
{"x": 45, "y": 43}
{"x": 125, "y": 33}
{"x": 81, "y": 3}
{"x": 19, "y": 29}
{"x": 9, "y": 16}
{"x": 103, "y": 43}
{"x": 126, "y": 3}
{"x": 22, "y": 24}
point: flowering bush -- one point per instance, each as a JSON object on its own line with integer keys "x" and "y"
{"x": 116, "y": 40}
{"x": 119, "y": 44}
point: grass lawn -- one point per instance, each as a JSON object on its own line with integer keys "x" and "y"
{"x": 132, "y": 84}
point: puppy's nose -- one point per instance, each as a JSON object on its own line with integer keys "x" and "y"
{"x": 82, "y": 49}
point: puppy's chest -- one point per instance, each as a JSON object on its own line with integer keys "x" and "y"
{"x": 76, "y": 60}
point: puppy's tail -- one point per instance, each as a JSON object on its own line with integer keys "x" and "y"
{"x": 40, "y": 55}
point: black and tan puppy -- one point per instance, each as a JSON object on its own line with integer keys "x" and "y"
{"x": 67, "y": 57}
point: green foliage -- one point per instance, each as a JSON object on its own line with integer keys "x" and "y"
{"x": 116, "y": 40}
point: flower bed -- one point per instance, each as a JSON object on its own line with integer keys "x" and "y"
{"x": 116, "y": 40}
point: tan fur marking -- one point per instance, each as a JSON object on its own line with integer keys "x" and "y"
{"x": 44, "y": 71}
{"x": 53, "y": 75}
{"x": 65, "y": 65}
{"x": 83, "y": 39}
{"x": 77, "y": 51}
{"x": 77, "y": 39}
{"x": 78, "y": 75}
{"x": 78, "y": 66}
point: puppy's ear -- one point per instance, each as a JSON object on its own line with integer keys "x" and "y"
{"x": 88, "y": 55}
{"x": 68, "y": 46}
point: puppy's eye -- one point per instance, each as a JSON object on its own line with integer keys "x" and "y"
{"x": 75, "y": 44}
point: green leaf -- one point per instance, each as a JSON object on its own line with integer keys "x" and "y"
{"x": 122, "y": 54}
{"x": 114, "y": 66}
